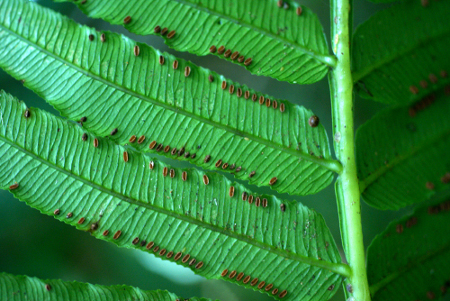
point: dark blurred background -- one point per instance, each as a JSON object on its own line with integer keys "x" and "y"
{"x": 38, "y": 245}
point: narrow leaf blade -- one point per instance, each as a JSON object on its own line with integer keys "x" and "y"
{"x": 413, "y": 253}
{"x": 402, "y": 155}
{"x": 281, "y": 43}
{"x": 164, "y": 212}
{"x": 113, "y": 88}
{"x": 20, "y": 288}
{"x": 400, "y": 54}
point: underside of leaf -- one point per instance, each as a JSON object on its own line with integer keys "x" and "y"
{"x": 408, "y": 160}
{"x": 25, "y": 288}
{"x": 410, "y": 260}
{"x": 400, "y": 55}
{"x": 202, "y": 221}
{"x": 286, "y": 43}
{"x": 187, "y": 112}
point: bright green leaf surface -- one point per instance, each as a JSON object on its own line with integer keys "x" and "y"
{"x": 113, "y": 88}
{"x": 293, "y": 249}
{"x": 402, "y": 159}
{"x": 410, "y": 260}
{"x": 30, "y": 288}
{"x": 403, "y": 49}
{"x": 281, "y": 44}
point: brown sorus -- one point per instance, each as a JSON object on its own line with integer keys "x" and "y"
{"x": 184, "y": 176}
{"x": 207, "y": 158}
{"x": 280, "y": 3}
{"x": 175, "y": 65}
{"x": 413, "y": 89}
{"x": 48, "y": 287}
{"x": 192, "y": 262}
{"x": 254, "y": 97}
{"x": 274, "y": 104}
{"x": 150, "y": 245}
{"x": 114, "y": 131}
{"x": 199, "y": 265}
{"x": 264, "y": 203}
{"x": 173, "y": 151}
{"x": 156, "y": 249}
{"x": 165, "y": 171}
{"x": 231, "y": 191}
{"x": 69, "y": 215}
{"x": 117, "y": 234}
{"x": 258, "y": 202}
{"x": 231, "y": 89}
{"x": 212, "y": 49}
{"x": 239, "y": 276}
{"x": 169, "y": 255}
{"x": 252, "y": 174}
{"x": 235, "y": 55}
{"x": 162, "y": 252}
{"x": 172, "y": 173}
{"x": 178, "y": 256}
{"x": 187, "y": 71}
{"x": 218, "y": 163}
{"x": 81, "y": 220}
{"x": 244, "y": 196}
{"x": 247, "y": 94}
{"x": 283, "y": 294}
{"x": 238, "y": 169}
{"x": 157, "y": 29}
{"x": 241, "y": 59}
{"x": 248, "y": 61}
{"x": 210, "y": 78}
{"x": 13, "y": 186}
{"x": 239, "y": 92}
{"x": 105, "y": 233}
{"x": 205, "y": 179}
{"x": 224, "y": 85}
{"x": 171, "y": 34}
{"x": 268, "y": 287}
{"x": 152, "y": 144}
{"x": 268, "y": 102}
{"x": 224, "y": 273}
{"x": 227, "y": 53}
{"x": 91, "y": 37}
{"x": 141, "y": 139}
{"x": 136, "y": 50}
{"x": 151, "y": 165}
{"x": 275, "y": 291}
{"x": 221, "y": 50}
{"x": 167, "y": 149}
{"x": 127, "y": 20}
{"x": 132, "y": 139}
{"x": 135, "y": 241}
{"x": 247, "y": 279}
{"x": 261, "y": 100}
{"x": 313, "y": 121}
{"x": 261, "y": 284}
{"x": 164, "y": 31}
{"x": 56, "y": 212}
{"x": 161, "y": 60}
{"x": 282, "y": 108}
{"x": 299, "y": 11}
{"x": 232, "y": 274}
{"x": 250, "y": 199}
{"x": 125, "y": 156}
{"x": 225, "y": 165}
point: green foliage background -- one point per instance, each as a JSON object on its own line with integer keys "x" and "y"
{"x": 36, "y": 245}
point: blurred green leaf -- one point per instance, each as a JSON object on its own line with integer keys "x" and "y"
{"x": 280, "y": 43}
{"x": 400, "y": 54}
{"x": 410, "y": 260}
{"x": 195, "y": 222}
{"x": 113, "y": 88}
{"x": 31, "y": 288}
{"x": 402, "y": 154}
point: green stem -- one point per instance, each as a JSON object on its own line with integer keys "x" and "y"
{"x": 347, "y": 188}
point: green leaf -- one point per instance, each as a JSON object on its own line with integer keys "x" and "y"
{"x": 113, "y": 88}
{"x": 292, "y": 249}
{"x": 281, "y": 44}
{"x": 30, "y": 288}
{"x": 412, "y": 253}
{"x": 400, "y": 54}
{"x": 402, "y": 154}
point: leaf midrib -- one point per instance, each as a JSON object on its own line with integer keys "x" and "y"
{"x": 398, "y": 160}
{"x": 358, "y": 75}
{"x": 329, "y": 164}
{"x": 333, "y": 267}
{"x": 374, "y": 288}
{"x": 322, "y": 58}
